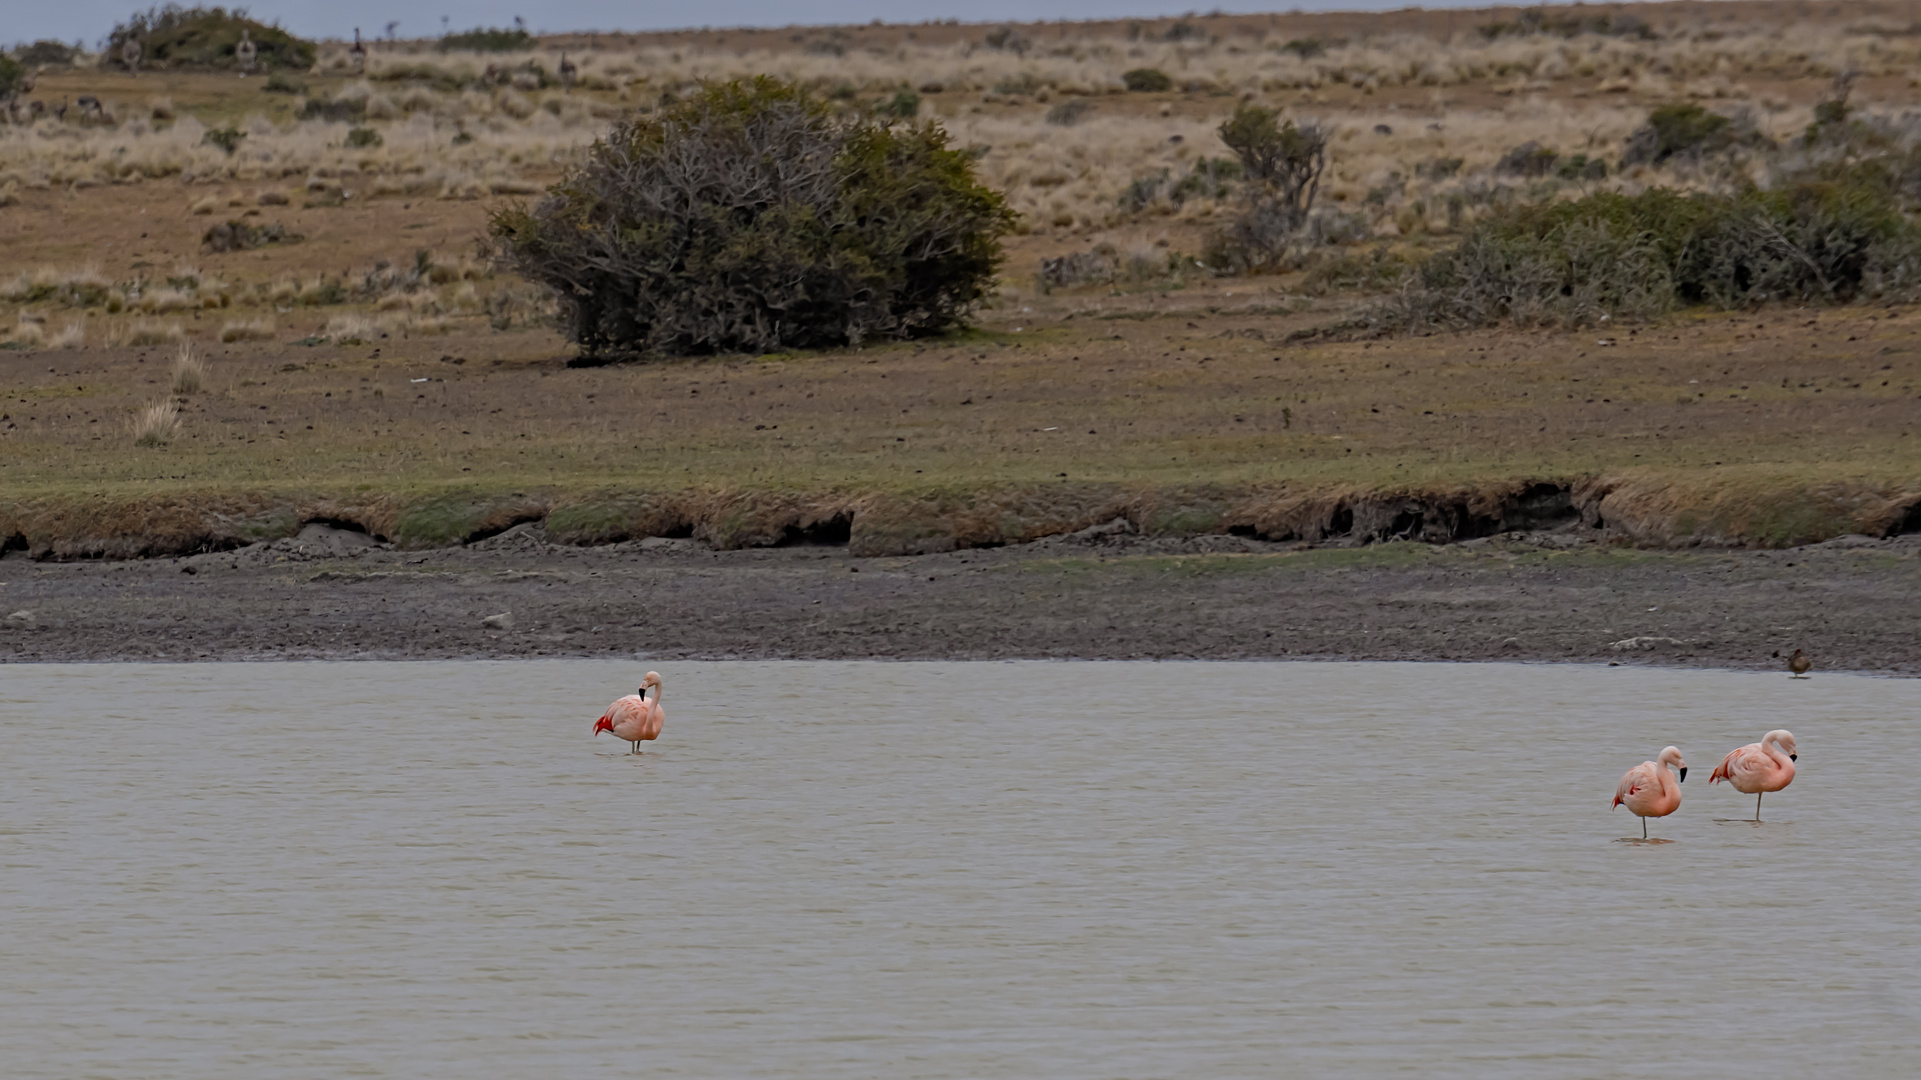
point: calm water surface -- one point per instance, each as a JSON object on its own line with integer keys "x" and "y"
{"x": 947, "y": 870}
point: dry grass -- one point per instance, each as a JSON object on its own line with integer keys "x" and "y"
{"x": 151, "y": 333}
{"x": 28, "y": 334}
{"x": 261, "y": 329}
{"x": 157, "y": 424}
{"x": 73, "y": 337}
{"x": 189, "y": 370}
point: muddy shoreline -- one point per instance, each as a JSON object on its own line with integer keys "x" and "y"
{"x": 1561, "y": 596}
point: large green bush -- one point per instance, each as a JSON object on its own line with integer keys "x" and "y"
{"x": 11, "y": 74}
{"x": 203, "y": 39}
{"x": 750, "y": 216}
{"x": 1569, "y": 263}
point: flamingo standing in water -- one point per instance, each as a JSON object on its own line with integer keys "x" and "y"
{"x": 636, "y": 717}
{"x": 1649, "y": 791}
{"x": 1761, "y": 767}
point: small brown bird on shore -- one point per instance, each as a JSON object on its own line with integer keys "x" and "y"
{"x": 1799, "y": 664}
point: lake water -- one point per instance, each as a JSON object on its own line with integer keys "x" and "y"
{"x": 840, "y": 870}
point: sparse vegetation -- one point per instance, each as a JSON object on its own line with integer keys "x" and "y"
{"x": 1684, "y": 130}
{"x": 487, "y": 39}
{"x": 227, "y": 139}
{"x": 1608, "y": 255}
{"x": 749, "y": 217}
{"x": 47, "y": 53}
{"x": 1567, "y": 24}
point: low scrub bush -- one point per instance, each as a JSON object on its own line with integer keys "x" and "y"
{"x": 1688, "y": 132}
{"x": 1530, "y": 159}
{"x": 1210, "y": 178}
{"x": 1563, "y": 23}
{"x": 1147, "y": 81}
{"x": 363, "y": 138}
{"x": 350, "y": 111}
{"x": 1105, "y": 264}
{"x": 203, "y": 39}
{"x": 1570, "y": 263}
{"x": 904, "y": 105}
{"x": 1068, "y": 113}
{"x": 488, "y": 39}
{"x": 227, "y": 139}
{"x": 241, "y": 236}
{"x": 750, "y": 216}
{"x": 12, "y": 75}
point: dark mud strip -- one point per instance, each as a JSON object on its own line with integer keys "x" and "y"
{"x": 1853, "y": 603}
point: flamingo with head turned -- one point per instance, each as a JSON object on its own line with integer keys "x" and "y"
{"x": 1758, "y": 768}
{"x": 1648, "y": 790}
{"x": 636, "y": 717}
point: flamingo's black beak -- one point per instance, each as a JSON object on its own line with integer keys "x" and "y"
{"x": 1684, "y": 774}
{"x": 1794, "y": 757}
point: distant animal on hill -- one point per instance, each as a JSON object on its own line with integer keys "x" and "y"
{"x": 130, "y": 55}
{"x": 245, "y": 52}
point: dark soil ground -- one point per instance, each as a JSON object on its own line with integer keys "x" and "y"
{"x": 1564, "y": 596}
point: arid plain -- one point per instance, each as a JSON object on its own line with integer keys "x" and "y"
{"x": 358, "y": 363}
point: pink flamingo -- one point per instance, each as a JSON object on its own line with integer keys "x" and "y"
{"x": 1649, "y": 791}
{"x": 1759, "y": 767}
{"x": 636, "y": 717}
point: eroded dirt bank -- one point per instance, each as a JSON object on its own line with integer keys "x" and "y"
{"x": 1104, "y": 593}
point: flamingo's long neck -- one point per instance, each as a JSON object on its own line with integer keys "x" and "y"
{"x": 1771, "y": 746}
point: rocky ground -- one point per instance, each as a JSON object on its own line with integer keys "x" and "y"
{"x": 1102, "y": 593}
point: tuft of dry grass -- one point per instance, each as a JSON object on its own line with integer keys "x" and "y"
{"x": 149, "y": 333}
{"x": 156, "y": 424}
{"x": 28, "y": 335}
{"x": 352, "y": 329}
{"x": 189, "y": 371}
{"x": 73, "y": 337}
{"x": 261, "y": 329}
